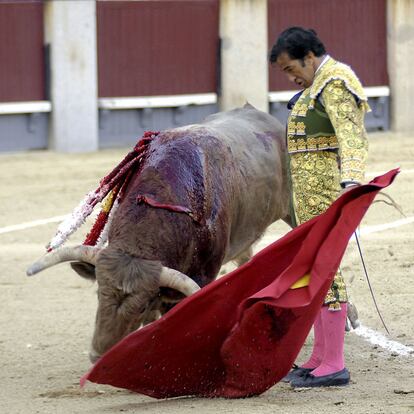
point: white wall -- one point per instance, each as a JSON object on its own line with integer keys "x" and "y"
{"x": 400, "y": 31}
{"x": 70, "y": 28}
{"x": 244, "y": 72}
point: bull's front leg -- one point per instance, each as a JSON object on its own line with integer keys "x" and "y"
{"x": 352, "y": 317}
{"x": 244, "y": 256}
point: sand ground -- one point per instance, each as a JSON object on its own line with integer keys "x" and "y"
{"x": 46, "y": 321}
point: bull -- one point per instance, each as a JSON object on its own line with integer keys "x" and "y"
{"x": 228, "y": 174}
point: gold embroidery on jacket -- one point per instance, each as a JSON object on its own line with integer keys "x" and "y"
{"x": 300, "y": 128}
{"x": 348, "y": 120}
{"x": 315, "y": 186}
{"x": 300, "y": 110}
{"x": 333, "y": 70}
{"x": 311, "y": 143}
{"x": 291, "y": 128}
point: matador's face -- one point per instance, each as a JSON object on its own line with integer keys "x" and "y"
{"x": 299, "y": 71}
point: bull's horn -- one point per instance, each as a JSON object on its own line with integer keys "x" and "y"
{"x": 86, "y": 254}
{"x": 175, "y": 280}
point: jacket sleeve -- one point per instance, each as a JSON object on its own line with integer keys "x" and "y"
{"x": 347, "y": 119}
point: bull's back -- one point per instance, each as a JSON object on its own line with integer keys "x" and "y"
{"x": 228, "y": 172}
{"x": 260, "y": 194}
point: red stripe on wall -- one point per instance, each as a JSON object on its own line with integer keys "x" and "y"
{"x": 21, "y": 51}
{"x": 157, "y": 47}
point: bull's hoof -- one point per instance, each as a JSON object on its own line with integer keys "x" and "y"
{"x": 93, "y": 356}
{"x": 352, "y": 315}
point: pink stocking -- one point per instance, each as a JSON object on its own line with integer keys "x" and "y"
{"x": 333, "y": 323}
{"x": 318, "y": 344}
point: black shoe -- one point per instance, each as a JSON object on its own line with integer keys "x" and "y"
{"x": 308, "y": 380}
{"x": 296, "y": 372}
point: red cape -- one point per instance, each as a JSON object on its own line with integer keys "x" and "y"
{"x": 239, "y": 335}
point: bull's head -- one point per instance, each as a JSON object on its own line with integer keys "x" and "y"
{"x": 127, "y": 288}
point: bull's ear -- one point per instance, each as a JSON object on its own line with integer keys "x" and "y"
{"x": 84, "y": 269}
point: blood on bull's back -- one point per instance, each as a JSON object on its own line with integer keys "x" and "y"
{"x": 227, "y": 174}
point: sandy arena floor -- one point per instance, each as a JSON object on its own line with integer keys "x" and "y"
{"x": 46, "y": 321}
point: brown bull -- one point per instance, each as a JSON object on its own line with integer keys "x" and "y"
{"x": 214, "y": 189}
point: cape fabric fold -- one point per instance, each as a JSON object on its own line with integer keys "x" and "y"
{"x": 240, "y": 335}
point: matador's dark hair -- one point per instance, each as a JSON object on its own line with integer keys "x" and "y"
{"x": 297, "y": 42}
